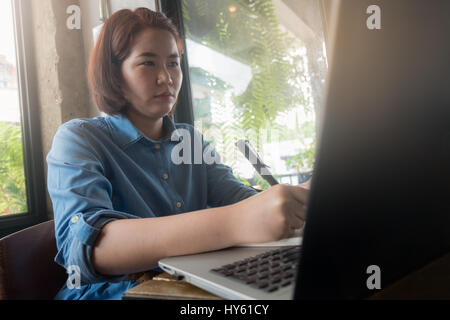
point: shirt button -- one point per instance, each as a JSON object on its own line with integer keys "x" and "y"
{"x": 75, "y": 219}
{"x": 165, "y": 176}
{"x": 178, "y": 205}
{"x": 157, "y": 146}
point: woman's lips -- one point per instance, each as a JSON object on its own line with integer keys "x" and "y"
{"x": 164, "y": 96}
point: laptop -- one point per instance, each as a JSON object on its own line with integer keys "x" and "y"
{"x": 379, "y": 203}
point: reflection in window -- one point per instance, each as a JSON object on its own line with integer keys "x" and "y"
{"x": 257, "y": 70}
{"x": 12, "y": 178}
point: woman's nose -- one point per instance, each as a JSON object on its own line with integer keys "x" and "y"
{"x": 164, "y": 77}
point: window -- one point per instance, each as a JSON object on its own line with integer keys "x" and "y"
{"x": 12, "y": 174}
{"x": 21, "y": 181}
{"x": 256, "y": 71}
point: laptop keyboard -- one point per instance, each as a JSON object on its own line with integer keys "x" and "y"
{"x": 269, "y": 271}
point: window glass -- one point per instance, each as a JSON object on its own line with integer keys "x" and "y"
{"x": 12, "y": 177}
{"x": 257, "y": 70}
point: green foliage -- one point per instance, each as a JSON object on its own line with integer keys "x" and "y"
{"x": 12, "y": 178}
{"x": 304, "y": 160}
{"x": 252, "y": 35}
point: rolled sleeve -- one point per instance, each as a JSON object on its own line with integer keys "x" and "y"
{"x": 83, "y": 235}
{"x": 81, "y": 197}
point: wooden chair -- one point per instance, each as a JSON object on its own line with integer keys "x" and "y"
{"x": 27, "y": 267}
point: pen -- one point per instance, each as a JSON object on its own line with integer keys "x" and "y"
{"x": 252, "y": 156}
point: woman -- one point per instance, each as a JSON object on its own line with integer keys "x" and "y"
{"x": 118, "y": 197}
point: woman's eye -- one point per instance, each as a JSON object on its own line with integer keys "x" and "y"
{"x": 148, "y": 63}
{"x": 173, "y": 64}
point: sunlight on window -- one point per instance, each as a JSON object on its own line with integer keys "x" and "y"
{"x": 257, "y": 70}
{"x": 12, "y": 178}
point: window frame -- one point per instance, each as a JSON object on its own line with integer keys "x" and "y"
{"x": 30, "y": 124}
{"x": 184, "y": 112}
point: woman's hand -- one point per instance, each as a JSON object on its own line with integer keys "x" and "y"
{"x": 270, "y": 215}
{"x": 307, "y": 184}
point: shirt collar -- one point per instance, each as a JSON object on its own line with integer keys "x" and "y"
{"x": 125, "y": 133}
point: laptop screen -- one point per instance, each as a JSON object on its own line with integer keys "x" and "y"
{"x": 379, "y": 197}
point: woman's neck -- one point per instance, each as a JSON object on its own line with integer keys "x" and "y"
{"x": 151, "y": 128}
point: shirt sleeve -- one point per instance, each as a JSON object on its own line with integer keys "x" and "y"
{"x": 81, "y": 198}
{"x": 223, "y": 186}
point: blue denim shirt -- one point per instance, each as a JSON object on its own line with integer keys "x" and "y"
{"x": 104, "y": 169}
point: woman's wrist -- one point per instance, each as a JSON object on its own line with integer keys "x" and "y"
{"x": 234, "y": 222}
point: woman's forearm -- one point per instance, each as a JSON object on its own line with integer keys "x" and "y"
{"x": 135, "y": 245}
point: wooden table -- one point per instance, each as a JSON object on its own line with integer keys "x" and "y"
{"x": 164, "y": 287}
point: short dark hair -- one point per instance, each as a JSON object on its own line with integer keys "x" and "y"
{"x": 113, "y": 47}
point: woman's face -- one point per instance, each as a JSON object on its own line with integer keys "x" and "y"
{"x": 152, "y": 74}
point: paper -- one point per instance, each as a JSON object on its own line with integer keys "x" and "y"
{"x": 289, "y": 242}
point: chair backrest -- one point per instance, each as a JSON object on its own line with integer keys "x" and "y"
{"x": 27, "y": 267}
